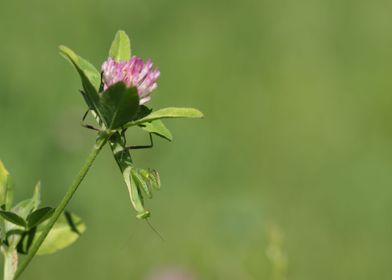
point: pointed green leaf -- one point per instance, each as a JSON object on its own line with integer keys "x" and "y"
{"x": 66, "y": 231}
{"x": 6, "y": 192}
{"x": 13, "y": 218}
{"x": 39, "y": 216}
{"x": 82, "y": 65}
{"x": 167, "y": 113}
{"x": 120, "y": 49}
{"x": 157, "y": 127}
{"x": 119, "y": 105}
{"x": 91, "y": 78}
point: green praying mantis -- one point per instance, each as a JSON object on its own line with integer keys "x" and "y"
{"x": 140, "y": 182}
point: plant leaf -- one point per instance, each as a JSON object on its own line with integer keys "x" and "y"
{"x": 6, "y": 188}
{"x": 23, "y": 209}
{"x": 120, "y": 49}
{"x": 118, "y": 105}
{"x": 158, "y": 128}
{"x": 142, "y": 112}
{"x": 166, "y": 113}
{"x": 13, "y": 218}
{"x": 91, "y": 78}
{"x": 39, "y": 216}
{"x": 89, "y": 71}
{"x": 14, "y": 232}
{"x": 66, "y": 231}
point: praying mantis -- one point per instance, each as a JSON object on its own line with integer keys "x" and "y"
{"x": 140, "y": 182}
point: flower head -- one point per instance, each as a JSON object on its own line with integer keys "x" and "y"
{"x": 134, "y": 73}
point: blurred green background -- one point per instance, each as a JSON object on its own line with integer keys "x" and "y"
{"x": 297, "y": 136}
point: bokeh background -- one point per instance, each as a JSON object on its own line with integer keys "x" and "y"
{"x": 289, "y": 176}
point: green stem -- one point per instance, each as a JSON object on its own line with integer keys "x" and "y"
{"x": 10, "y": 262}
{"x": 60, "y": 208}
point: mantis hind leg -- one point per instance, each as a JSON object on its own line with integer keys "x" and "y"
{"x": 149, "y": 146}
{"x": 87, "y": 125}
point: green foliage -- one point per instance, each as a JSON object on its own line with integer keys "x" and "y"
{"x": 85, "y": 69}
{"x": 14, "y": 231}
{"x": 13, "y": 218}
{"x": 157, "y": 127}
{"x": 24, "y": 222}
{"x": 90, "y": 77}
{"x": 118, "y": 105}
{"x": 39, "y": 216}
{"x": 315, "y": 135}
{"x": 120, "y": 49}
{"x": 168, "y": 113}
{"x": 142, "y": 112}
{"x": 65, "y": 232}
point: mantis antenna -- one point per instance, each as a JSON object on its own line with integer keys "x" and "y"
{"x": 155, "y": 230}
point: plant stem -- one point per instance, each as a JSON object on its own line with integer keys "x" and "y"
{"x": 60, "y": 208}
{"x": 10, "y": 262}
